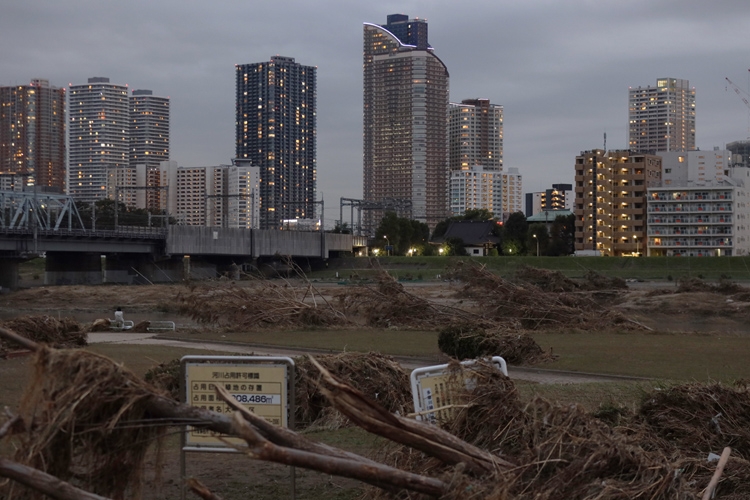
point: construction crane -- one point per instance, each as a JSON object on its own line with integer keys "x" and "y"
{"x": 739, "y": 92}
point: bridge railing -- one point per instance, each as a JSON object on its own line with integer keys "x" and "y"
{"x": 158, "y": 233}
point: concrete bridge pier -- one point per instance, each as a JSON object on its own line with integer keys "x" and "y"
{"x": 73, "y": 268}
{"x": 9, "y": 274}
{"x": 138, "y": 269}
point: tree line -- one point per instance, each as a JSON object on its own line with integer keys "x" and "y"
{"x": 403, "y": 236}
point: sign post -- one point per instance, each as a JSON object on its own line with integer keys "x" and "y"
{"x": 262, "y": 384}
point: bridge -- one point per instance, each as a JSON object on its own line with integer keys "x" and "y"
{"x": 36, "y": 224}
{"x": 151, "y": 255}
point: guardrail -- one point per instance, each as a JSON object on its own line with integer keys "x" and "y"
{"x": 122, "y": 232}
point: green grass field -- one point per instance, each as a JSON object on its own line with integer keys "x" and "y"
{"x": 643, "y": 268}
{"x": 668, "y": 356}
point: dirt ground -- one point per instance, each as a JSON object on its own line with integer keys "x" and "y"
{"x": 235, "y": 476}
{"x": 656, "y": 305}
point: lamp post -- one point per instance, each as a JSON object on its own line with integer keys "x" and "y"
{"x": 388, "y": 245}
{"x": 637, "y": 248}
{"x": 537, "y": 245}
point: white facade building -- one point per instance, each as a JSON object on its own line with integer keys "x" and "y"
{"x": 476, "y": 187}
{"x": 701, "y": 209}
{"x": 512, "y": 191}
{"x": 218, "y": 196}
{"x": 243, "y": 196}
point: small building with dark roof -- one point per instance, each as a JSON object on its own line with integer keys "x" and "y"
{"x": 476, "y": 235}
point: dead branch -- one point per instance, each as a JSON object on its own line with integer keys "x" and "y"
{"x": 427, "y": 438}
{"x": 200, "y": 489}
{"x": 8, "y": 425}
{"x": 379, "y": 475}
{"x": 12, "y": 336}
{"x": 286, "y": 438}
{"x": 43, "y": 482}
{"x": 709, "y": 493}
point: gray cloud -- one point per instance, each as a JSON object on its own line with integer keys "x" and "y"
{"x": 561, "y": 69}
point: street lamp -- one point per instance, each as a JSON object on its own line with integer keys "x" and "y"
{"x": 388, "y": 245}
{"x": 537, "y": 245}
{"x": 375, "y": 251}
{"x": 441, "y": 250}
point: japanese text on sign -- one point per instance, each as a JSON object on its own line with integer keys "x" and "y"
{"x": 262, "y": 389}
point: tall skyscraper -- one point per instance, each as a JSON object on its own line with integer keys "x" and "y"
{"x": 405, "y": 121}
{"x": 149, "y": 141}
{"x": 662, "y": 118}
{"x": 99, "y": 138}
{"x": 32, "y": 136}
{"x": 476, "y": 134}
{"x": 275, "y": 130}
{"x": 149, "y": 129}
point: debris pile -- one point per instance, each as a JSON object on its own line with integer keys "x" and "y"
{"x": 387, "y": 304}
{"x": 544, "y": 279}
{"x": 267, "y": 304}
{"x": 699, "y": 417}
{"x": 468, "y": 341}
{"x": 89, "y": 421}
{"x": 561, "y": 451}
{"x": 79, "y": 411}
{"x": 378, "y": 376}
{"x": 524, "y": 303}
{"x": 59, "y": 333}
{"x": 166, "y": 377}
{"x": 595, "y": 281}
{"x": 724, "y": 286}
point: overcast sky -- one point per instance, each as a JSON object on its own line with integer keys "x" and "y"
{"x": 561, "y": 69}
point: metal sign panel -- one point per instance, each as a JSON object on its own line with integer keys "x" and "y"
{"x": 261, "y": 384}
{"x": 434, "y": 389}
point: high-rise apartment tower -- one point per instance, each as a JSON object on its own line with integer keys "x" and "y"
{"x": 32, "y": 136}
{"x": 476, "y": 134}
{"x": 405, "y": 122}
{"x": 149, "y": 140}
{"x": 662, "y": 118}
{"x": 275, "y": 131}
{"x": 99, "y": 138}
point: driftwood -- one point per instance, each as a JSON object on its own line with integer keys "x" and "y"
{"x": 424, "y": 437}
{"x": 200, "y": 489}
{"x": 43, "y": 482}
{"x": 268, "y": 442}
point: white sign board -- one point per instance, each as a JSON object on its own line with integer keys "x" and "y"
{"x": 434, "y": 389}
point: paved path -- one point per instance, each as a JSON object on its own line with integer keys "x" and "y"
{"x": 521, "y": 373}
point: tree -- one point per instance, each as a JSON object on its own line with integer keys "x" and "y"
{"x": 515, "y": 230}
{"x": 455, "y": 246}
{"x": 562, "y": 235}
{"x": 401, "y": 233}
{"x": 542, "y": 238}
{"x": 341, "y": 228}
